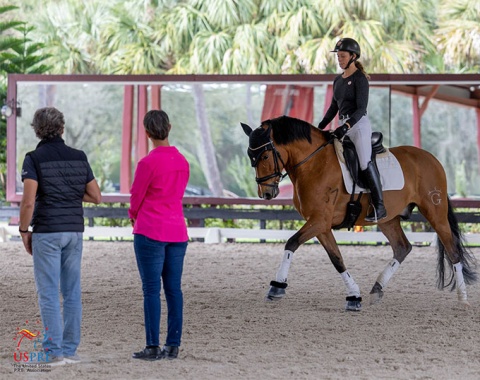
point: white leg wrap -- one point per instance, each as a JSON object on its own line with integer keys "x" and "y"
{"x": 282, "y": 272}
{"x": 461, "y": 288}
{"x": 388, "y": 272}
{"x": 352, "y": 287}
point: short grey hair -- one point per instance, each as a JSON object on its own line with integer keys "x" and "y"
{"x": 48, "y": 122}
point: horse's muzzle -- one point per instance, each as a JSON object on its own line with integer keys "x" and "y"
{"x": 270, "y": 192}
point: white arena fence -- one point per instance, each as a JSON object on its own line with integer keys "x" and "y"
{"x": 214, "y": 235}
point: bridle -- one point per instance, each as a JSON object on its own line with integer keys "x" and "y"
{"x": 276, "y": 157}
{"x": 257, "y": 152}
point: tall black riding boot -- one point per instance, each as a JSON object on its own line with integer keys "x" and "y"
{"x": 373, "y": 179}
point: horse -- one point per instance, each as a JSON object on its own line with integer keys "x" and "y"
{"x": 289, "y": 146}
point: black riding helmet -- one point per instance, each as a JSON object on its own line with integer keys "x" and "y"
{"x": 347, "y": 44}
{"x": 350, "y": 45}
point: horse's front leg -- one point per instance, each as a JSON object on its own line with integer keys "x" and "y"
{"x": 354, "y": 299}
{"x": 278, "y": 286}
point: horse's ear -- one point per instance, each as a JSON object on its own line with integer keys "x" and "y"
{"x": 246, "y": 129}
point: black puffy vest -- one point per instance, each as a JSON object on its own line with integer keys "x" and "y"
{"x": 62, "y": 174}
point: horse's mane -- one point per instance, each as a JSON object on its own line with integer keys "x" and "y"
{"x": 288, "y": 129}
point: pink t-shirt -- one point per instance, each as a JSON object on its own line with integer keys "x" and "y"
{"x": 156, "y": 195}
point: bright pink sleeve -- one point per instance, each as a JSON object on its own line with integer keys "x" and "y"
{"x": 139, "y": 188}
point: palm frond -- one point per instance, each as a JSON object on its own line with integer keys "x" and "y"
{"x": 207, "y": 51}
{"x": 227, "y": 13}
{"x": 459, "y": 42}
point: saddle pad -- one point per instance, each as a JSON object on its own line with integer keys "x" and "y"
{"x": 391, "y": 174}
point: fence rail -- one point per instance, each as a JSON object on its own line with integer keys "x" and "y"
{"x": 198, "y": 209}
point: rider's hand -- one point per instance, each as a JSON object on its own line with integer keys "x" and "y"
{"x": 340, "y": 131}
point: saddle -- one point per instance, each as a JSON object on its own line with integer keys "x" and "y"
{"x": 354, "y": 207}
{"x": 351, "y": 158}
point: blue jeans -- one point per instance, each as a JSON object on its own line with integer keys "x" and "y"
{"x": 57, "y": 261}
{"x": 160, "y": 260}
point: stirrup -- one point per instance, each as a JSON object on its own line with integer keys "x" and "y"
{"x": 373, "y": 217}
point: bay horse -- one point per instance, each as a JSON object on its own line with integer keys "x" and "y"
{"x": 308, "y": 157}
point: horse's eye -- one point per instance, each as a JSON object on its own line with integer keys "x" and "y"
{"x": 265, "y": 157}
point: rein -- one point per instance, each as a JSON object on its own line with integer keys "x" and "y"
{"x": 313, "y": 153}
{"x": 277, "y": 156}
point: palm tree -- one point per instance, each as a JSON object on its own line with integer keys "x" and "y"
{"x": 57, "y": 27}
{"x": 458, "y": 34}
{"x": 394, "y": 36}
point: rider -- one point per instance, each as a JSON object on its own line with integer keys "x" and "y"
{"x": 350, "y": 99}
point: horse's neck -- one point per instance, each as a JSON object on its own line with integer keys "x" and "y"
{"x": 302, "y": 154}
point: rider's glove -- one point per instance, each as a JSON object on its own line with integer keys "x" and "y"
{"x": 340, "y": 131}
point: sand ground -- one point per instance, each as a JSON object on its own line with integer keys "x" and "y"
{"x": 417, "y": 332}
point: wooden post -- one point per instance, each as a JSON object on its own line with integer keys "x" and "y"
{"x": 156, "y": 97}
{"x": 417, "y": 138}
{"x": 126, "y": 159}
{"x": 418, "y": 112}
{"x": 142, "y": 140}
{"x": 477, "y": 112}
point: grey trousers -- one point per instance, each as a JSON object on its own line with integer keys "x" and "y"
{"x": 361, "y": 136}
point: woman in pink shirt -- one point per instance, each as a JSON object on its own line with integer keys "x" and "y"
{"x": 160, "y": 235}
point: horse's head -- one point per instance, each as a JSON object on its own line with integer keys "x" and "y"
{"x": 266, "y": 160}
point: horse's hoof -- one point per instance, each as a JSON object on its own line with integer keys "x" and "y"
{"x": 276, "y": 292}
{"x": 376, "y": 297}
{"x": 376, "y": 294}
{"x": 353, "y": 303}
{"x": 464, "y": 304}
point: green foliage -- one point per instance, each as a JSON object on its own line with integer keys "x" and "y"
{"x": 461, "y": 180}
{"x": 23, "y": 54}
{"x": 243, "y": 176}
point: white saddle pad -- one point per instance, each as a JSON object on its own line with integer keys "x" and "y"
{"x": 391, "y": 174}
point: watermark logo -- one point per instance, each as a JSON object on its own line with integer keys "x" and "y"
{"x": 29, "y": 355}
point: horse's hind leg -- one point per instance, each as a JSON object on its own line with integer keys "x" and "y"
{"x": 460, "y": 260}
{"x": 401, "y": 248}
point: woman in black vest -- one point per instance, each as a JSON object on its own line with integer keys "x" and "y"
{"x": 56, "y": 180}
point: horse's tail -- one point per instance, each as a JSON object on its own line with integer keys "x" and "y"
{"x": 464, "y": 254}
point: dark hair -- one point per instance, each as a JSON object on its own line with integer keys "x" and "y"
{"x": 48, "y": 122}
{"x": 157, "y": 124}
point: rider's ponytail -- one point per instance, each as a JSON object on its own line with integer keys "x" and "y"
{"x": 359, "y": 66}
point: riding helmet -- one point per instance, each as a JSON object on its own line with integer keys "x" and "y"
{"x": 347, "y": 44}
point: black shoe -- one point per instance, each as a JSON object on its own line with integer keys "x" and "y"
{"x": 169, "y": 352}
{"x": 377, "y": 214}
{"x": 150, "y": 354}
